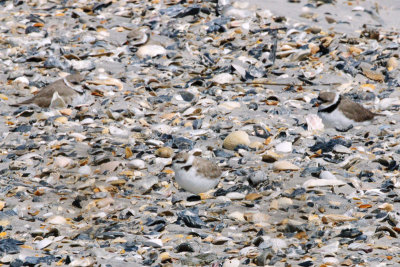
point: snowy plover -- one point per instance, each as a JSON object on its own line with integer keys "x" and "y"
{"x": 195, "y": 174}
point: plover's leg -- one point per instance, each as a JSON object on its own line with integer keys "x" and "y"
{"x": 344, "y": 129}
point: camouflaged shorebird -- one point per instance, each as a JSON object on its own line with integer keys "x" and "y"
{"x": 65, "y": 87}
{"x": 195, "y": 174}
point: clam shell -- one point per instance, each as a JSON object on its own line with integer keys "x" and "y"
{"x": 284, "y": 165}
{"x": 236, "y": 138}
{"x": 164, "y": 152}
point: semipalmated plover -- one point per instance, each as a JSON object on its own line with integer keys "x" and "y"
{"x": 195, "y": 174}
{"x": 67, "y": 88}
{"x": 341, "y": 113}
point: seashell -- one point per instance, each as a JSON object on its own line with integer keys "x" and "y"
{"x": 164, "y": 152}
{"x": 256, "y": 145}
{"x": 118, "y": 132}
{"x": 62, "y": 162}
{"x": 61, "y": 120}
{"x": 322, "y": 182}
{"x": 109, "y": 166}
{"x": 355, "y": 51}
{"x": 4, "y": 97}
{"x": 314, "y": 48}
{"x": 256, "y": 217}
{"x": 108, "y": 82}
{"x": 44, "y": 243}
{"x": 235, "y": 196}
{"x": 284, "y": 165}
{"x": 373, "y": 75}
{"x": 231, "y": 263}
{"x": 270, "y": 156}
{"x": 78, "y": 136}
{"x": 284, "y": 147}
{"x": 22, "y": 80}
{"x": 85, "y": 170}
{"x": 280, "y": 203}
{"x": 236, "y": 138}
{"x": 220, "y": 240}
{"x": 82, "y": 262}
{"x": 391, "y": 64}
{"x": 229, "y": 105}
{"x": 253, "y": 196}
{"x": 137, "y": 164}
{"x": 331, "y": 248}
{"x": 57, "y": 219}
{"x": 237, "y": 13}
{"x": 155, "y": 243}
{"x": 337, "y": 218}
{"x": 258, "y": 177}
{"x": 386, "y": 206}
{"x": 82, "y": 65}
{"x": 165, "y": 257}
{"x": 150, "y": 51}
{"x": 223, "y": 78}
{"x": 105, "y": 202}
{"x": 341, "y": 149}
{"x": 248, "y": 251}
{"x": 327, "y": 175}
{"x": 387, "y": 103}
{"x": 314, "y": 123}
{"x": 358, "y": 8}
{"x": 300, "y": 54}
{"x": 237, "y": 216}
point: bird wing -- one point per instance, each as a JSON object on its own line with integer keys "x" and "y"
{"x": 355, "y": 110}
{"x": 204, "y": 167}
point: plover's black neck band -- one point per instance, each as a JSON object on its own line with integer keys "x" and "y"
{"x": 331, "y": 108}
{"x": 187, "y": 167}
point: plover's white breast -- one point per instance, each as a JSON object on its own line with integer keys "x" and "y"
{"x": 335, "y": 119}
{"x": 194, "y": 182}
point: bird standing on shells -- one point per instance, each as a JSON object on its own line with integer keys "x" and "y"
{"x": 66, "y": 88}
{"x": 195, "y": 174}
{"x": 339, "y": 112}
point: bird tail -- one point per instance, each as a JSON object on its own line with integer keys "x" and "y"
{"x": 26, "y": 102}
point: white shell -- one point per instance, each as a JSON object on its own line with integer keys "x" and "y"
{"x": 284, "y": 165}
{"x": 322, "y": 182}
{"x": 223, "y": 78}
{"x": 150, "y": 51}
{"x": 136, "y": 164}
{"x": 284, "y": 147}
{"x": 62, "y": 162}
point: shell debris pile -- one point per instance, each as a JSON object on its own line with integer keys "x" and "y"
{"x": 85, "y": 180}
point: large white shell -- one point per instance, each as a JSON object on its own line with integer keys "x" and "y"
{"x": 151, "y": 51}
